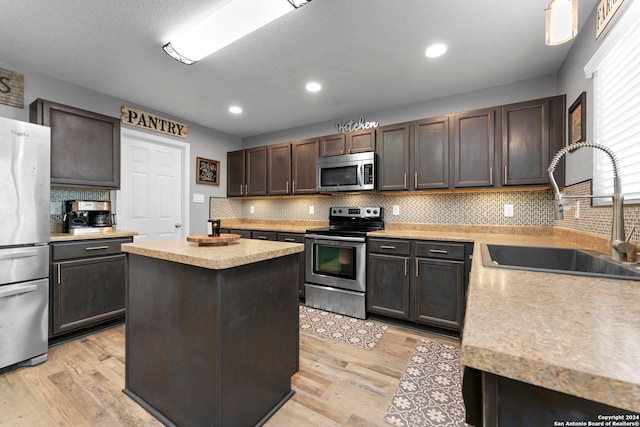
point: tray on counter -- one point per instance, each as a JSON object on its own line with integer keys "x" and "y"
{"x": 206, "y": 240}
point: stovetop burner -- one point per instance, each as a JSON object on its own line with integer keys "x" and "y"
{"x": 352, "y": 221}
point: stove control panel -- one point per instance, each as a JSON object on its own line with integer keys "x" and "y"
{"x": 357, "y": 212}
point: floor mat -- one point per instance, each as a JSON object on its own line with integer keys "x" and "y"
{"x": 361, "y": 333}
{"x": 430, "y": 391}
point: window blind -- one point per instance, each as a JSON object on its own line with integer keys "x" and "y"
{"x": 615, "y": 68}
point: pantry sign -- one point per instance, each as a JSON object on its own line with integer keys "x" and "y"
{"x": 11, "y": 88}
{"x": 152, "y": 122}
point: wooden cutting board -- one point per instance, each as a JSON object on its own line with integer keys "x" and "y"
{"x": 206, "y": 240}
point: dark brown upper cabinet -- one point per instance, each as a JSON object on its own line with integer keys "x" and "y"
{"x": 474, "y": 141}
{"x": 279, "y": 169}
{"x": 85, "y": 146}
{"x": 392, "y": 147}
{"x": 348, "y": 143}
{"x": 247, "y": 172}
{"x": 303, "y": 166}
{"x": 532, "y": 132}
{"x": 430, "y": 154}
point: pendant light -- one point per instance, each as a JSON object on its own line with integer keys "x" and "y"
{"x": 562, "y": 21}
{"x": 233, "y": 21}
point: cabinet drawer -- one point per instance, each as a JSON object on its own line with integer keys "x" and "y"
{"x": 291, "y": 237}
{"x": 388, "y": 246}
{"x": 88, "y": 248}
{"x": 245, "y": 234}
{"x": 440, "y": 250}
{"x": 264, "y": 235}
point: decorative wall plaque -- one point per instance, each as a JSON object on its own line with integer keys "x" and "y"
{"x": 152, "y": 122}
{"x": 353, "y": 125}
{"x": 207, "y": 171}
{"x": 606, "y": 10}
{"x": 11, "y": 88}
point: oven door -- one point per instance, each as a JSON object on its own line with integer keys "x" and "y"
{"x": 336, "y": 261}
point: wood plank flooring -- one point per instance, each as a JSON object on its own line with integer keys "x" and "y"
{"x": 81, "y": 384}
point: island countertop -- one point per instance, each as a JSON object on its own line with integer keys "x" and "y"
{"x": 240, "y": 252}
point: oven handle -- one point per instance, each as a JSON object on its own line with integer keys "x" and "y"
{"x": 334, "y": 238}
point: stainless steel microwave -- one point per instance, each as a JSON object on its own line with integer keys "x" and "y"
{"x": 349, "y": 172}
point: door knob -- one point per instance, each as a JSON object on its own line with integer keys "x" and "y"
{"x": 178, "y": 225}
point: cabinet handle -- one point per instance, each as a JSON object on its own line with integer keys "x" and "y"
{"x": 262, "y": 237}
{"x": 417, "y": 269}
{"x": 387, "y": 247}
{"x": 241, "y": 190}
{"x": 505, "y": 175}
{"x": 490, "y": 175}
{"x": 58, "y": 274}
{"x": 289, "y": 239}
{"x": 438, "y": 251}
{"x": 415, "y": 180}
{"x": 246, "y": 189}
{"x": 293, "y": 187}
{"x": 404, "y": 184}
{"x": 287, "y": 188}
{"x": 96, "y": 248}
{"x": 406, "y": 264}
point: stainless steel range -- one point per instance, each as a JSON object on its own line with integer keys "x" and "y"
{"x": 336, "y": 260}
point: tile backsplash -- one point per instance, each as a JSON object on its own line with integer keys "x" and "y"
{"x": 531, "y": 208}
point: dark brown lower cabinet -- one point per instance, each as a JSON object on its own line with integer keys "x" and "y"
{"x": 87, "y": 285}
{"x": 493, "y": 401}
{"x": 419, "y": 281}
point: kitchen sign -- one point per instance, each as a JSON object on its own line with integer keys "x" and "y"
{"x": 352, "y": 125}
{"x": 605, "y": 12}
{"x": 11, "y": 88}
{"x": 152, "y": 122}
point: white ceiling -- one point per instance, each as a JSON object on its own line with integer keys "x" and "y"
{"x": 368, "y": 55}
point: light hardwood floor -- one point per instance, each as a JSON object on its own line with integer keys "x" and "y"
{"x": 81, "y": 384}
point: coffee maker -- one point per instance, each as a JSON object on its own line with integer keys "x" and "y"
{"x": 88, "y": 216}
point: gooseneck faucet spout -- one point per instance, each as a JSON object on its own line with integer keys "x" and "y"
{"x": 619, "y": 244}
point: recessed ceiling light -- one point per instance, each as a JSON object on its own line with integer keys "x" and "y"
{"x": 235, "y": 109}
{"x": 435, "y": 50}
{"x": 313, "y": 86}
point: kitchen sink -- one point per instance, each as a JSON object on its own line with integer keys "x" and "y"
{"x": 557, "y": 260}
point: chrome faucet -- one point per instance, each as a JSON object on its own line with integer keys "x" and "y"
{"x": 619, "y": 244}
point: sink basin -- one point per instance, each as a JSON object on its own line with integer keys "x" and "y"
{"x": 557, "y": 260}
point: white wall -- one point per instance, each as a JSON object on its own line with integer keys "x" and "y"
{"x": 204, "y": 142}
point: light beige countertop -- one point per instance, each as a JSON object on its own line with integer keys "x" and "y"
{"x": 573, "y": 334}
{"x": 64, "y": 237}
{"x": 237, "y": 253}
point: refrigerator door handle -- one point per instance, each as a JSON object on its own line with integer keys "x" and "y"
{"x": 18, "y": 291}
{"x": 24, "y": 254}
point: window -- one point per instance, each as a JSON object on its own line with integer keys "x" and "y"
{"x": 615, "y": 68}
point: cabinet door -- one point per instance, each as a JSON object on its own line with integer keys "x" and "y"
{"x": 525, "y": 143}
{"x": 279, "y": 167}
{"x": 361, "y": 141}
{"x": 85, "y": 146}
{"x": 256, "y": 168}
{"x": 474, "y": 144}
{"x": 88, "y": 291}
{"x": 333, "y": 145}
{"x": 235, "y": 173}
{"x": 392, "y": 146}
{"x": 303, "y": 165}
{"x": 439, "y": 291}
{"x": 430, "y": 163}
{"x": 388, "y": 285}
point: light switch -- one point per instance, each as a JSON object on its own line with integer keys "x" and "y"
{"x": 198, "y": 198}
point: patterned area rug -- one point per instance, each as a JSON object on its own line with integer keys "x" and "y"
{"x": 430, "y": 391}
{"x": 361, "y": 333}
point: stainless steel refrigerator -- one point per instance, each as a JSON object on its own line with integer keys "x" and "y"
{"x": 25, "y": 152}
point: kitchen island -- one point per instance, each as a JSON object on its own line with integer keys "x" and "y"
{"x": 212, "y": 332}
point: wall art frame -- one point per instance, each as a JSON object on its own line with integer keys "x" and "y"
{"x": 578, "y": 119}
{"x": 207, "y": 171}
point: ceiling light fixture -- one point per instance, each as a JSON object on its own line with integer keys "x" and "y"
{"x": 235, "y": 109}
{"x": 233, "y": 21}
{"x": 435, "y": 50}
{"x": 562, "y": 21}
{"x": 313, "y": 87}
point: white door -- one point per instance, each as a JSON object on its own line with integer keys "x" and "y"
{"x": 151, "y": 199}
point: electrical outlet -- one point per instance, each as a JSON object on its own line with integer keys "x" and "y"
{"x": 577, "y": 215}
{"x": 312, "y": 210}
{"x": 252, "y": 209}
{"x": 396, "y": 209}
{"x": 508, "y": 210}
